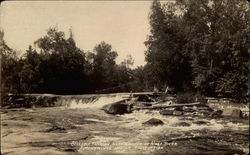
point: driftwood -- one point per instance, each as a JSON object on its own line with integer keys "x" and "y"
{"x": 160, "y": 106}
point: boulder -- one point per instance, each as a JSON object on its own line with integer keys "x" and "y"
{"x": 182, "y": 124}
{"x": 232, "y": 112}
{"x": 117, "y": 108}
{"x": 195, "y": 107}
{"x": 201, "y": 122}
{"x": 216, "y": 113}
{"x": 167, "y": 112}
{"x": 177, "y": 113}
{"x": 179, "y": 108}
{"x": 153, "y": 122}
{"x": 145, "y": 98}
{"x": 188, "y": 109}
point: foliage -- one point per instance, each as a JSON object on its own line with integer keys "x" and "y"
{"x": 56, "y": 65}
{"x": 9, "y": 66}
{"x": 104, "y": 66}
{"x": 57, "y": 68}
{"x": 165, "y": 53}
{"x": 200, "y": 45}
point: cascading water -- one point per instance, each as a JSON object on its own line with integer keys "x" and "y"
{"x": 82, "y": 114}
{"x": 94, "y": 102}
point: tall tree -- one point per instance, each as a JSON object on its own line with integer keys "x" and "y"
{"x": 63, "y": 64}
{"x": 10, "y": 68}
{"x": 104, "y": 65}
{"x": 165, "y": 44}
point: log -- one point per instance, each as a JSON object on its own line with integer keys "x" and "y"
{"x": 167, "y": 106}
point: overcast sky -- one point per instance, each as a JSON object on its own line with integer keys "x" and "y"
{"x": 123, "y": 24}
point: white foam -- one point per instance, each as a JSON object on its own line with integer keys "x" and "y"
{"x": 137, "y": 118}
{"x": 96, "y": 103}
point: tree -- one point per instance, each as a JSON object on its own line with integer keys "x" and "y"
{"x": 59, "y": 66}
{"x": 9, "y": 68}
{"x": 104, "y": 66}
{"x": 165, "y": 55}
{"x": 128, "y": 61}
{"x": 218, "y": 44}
{"x": 30, "y": 76}
{"x": 200, "y": 41}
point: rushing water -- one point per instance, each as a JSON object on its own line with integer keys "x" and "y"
{"x": 138, "y": 117}
{"x": 224, "y": 135}
{"x": 94, "y": 103}
{"x": 221, "y": 129}
{"x": 212, "y": 135}
{"x": 191, "y": 134}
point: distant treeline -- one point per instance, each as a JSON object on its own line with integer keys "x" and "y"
{"x": 194, "y": 46}
{"x": 58, "y": 66}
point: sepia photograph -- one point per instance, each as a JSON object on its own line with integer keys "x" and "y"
{"x": 124, "y": 77}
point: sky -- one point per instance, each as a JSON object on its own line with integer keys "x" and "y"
{"x": 123, "y": 24}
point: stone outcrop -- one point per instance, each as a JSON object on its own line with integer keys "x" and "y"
{"x": 153, "y": 122}
{"x": 167, "y": 112}
{"x": 201, "y": 122}
{"x": 119, "y": 107}
{"x": 182, "y": 124}
{"x": 171, "y": 112}
{"x": 177, "y": 113}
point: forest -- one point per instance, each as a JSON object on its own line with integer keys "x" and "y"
{"x": 195, "y": 47}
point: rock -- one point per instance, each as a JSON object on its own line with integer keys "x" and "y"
{"x": 177, "y": 113}
{"x": 195, "y": 113}
{"x": 182, "y": 124}
{"x": 187, "y": 118}
{"x": 117, "y": 108}
{"x": 153, "y": 122}
{"x": 166, "y": 112}
{"x": 188, "y": 109}
{"x": 195, "y": 107}
{"x": 56, "y": 129}
{"x": 201, "y": 122}
{"x": 204, "y": 108}
{"x": 149, "y": 112}
{"x": 144, "y": 98}
{"x": 147, "y": 104}
{"x": 216, "y": 113}
{"x": 179, "y": 108}
{"x": 232, "y": 112}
